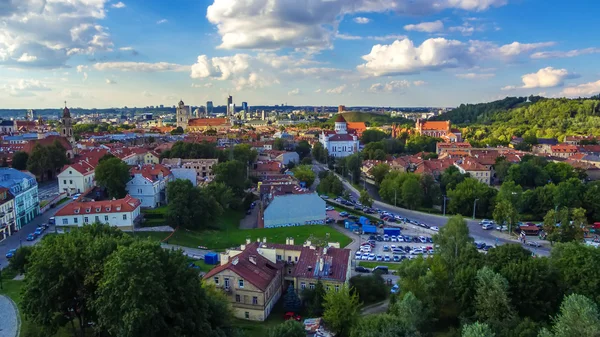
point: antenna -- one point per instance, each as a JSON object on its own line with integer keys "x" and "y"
{"x": 65, "y": 104}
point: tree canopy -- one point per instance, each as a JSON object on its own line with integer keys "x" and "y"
{"x": 113, "y": 175}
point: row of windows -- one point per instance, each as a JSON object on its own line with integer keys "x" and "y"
{"x": 65, "y": 221}
{"x": 254, "y": 299}
{"x": 311, "y": 286}
{"x": 226, "y": 282}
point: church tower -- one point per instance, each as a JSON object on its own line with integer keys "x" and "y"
{"x": 66, "y": 129}
{"x": 183, "y": 115}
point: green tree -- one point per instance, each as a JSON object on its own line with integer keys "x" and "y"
{"x": 501, "y": 168}
{"x": 319, "y": 153}
{"x": 382, "y": 325}
{"x": 410, "y": 312}
{"x": 365, "y": 198}
{"x": 477, "y": 330}
{"x": 244, "y": 153}
{"x": 303, "y": 149}
{"x": 20, "y": 260}
{"x": 304, "y": 173}
{"x": 568, "y": 193}
{"x": 291, "y": 301}
{"x": 19, "y": 160}
{"x": 453, "y": 241}
{"x": 191, "y": 207}
{"x": 372, "y": 135}
{"x": 290, "y": 328}
{"x": 63, "y": 274}
{"x": 222, "y": 193}
{"x": 316, "y": 300}
{"x": 147, "y": 290}
{"x": 412, "y": 194}
{"x": 450, "y": 178}
{"x": 492, "y": 303}
{"x": 370, "y": 288}
{"x": 177, "y": 131}
{"x": 578, "y": 317}
{"x": 233, "y": 174}
{"x": 506, "y": 214}
{"x": 512, "y": 193}
{"x": 353, "y": 166}
{"x": 39, "y": 161}
{"x": 591, "y": 200}
{"x": 431, "y": 190}
{"x": 379, "y": 172}
{"x": 279, "y": 144}
{"x": 113, "y": 175}
{"x": 341, "y": 310}
{"x": 559, "y": 172}
{"x": 563, "y": 225}
{"x": 462, "y": 198}
{"x": 576, "y": 265}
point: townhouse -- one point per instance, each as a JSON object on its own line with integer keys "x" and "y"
{"x": 23, "y": 186}
{"x": 149, "y": 183}
{"x": 121, "y": 213}
{"x": 7, "y": 213}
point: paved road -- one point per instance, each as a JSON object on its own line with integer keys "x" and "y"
{"x": 20, "y": 238}
{"x": 48, "y": 190}
{"x": 475, "y": 229}
{"x": 9, "y": 324}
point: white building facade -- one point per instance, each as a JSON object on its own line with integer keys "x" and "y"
{"x": 76, "y": 178}
{"x": 121, "y": 213}
{"x": 340, "y": 143}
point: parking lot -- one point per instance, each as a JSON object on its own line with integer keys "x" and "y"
{"x": 393, "y": 248}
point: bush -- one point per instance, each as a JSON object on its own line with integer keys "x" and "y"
{"x": 370, "y": 289}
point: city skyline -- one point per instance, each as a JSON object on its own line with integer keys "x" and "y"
{"x": 356, "y": 52}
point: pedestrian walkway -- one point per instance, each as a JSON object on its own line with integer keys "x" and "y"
{"x": 194, "y": 253}
{"x": 10, "y": 323}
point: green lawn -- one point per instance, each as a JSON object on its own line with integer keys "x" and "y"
{"x": 203, "y": 266}
{"x": 232, "y": 236}
{"x": 154, "y": 217}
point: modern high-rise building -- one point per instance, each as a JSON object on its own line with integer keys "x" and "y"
{"x": 245, "y": 107}
{"x": 209, "y": 107}
{"x": 229, "y": 105}
{"x": 264, "y": 115}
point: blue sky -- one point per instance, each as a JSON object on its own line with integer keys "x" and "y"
{"x": 99, "y": 53}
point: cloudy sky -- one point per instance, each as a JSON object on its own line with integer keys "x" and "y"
{"x": 99, "y": 53}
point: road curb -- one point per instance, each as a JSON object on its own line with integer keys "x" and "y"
{"x": 18, "y": 316}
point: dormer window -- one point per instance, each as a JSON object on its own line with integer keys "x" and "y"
{"x": 98, "y": 209}
{"x": 87, "y": 210}
{"x": 108, "y": 209}
{"x": 76, "y": 211}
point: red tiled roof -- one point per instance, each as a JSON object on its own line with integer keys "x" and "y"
{"x": 268, "y": 166}
{"x": 127, "y": 204}
{"x": 589, "y": 148}
{"x": 81, "y": 166}
{"x": 340, "y": 137}
{"x": 259, "y": 274}
{"x": 471, "y": 165}
{"x": 92, "y": 156}
{"x": 434, "y": 125}
{"x": 562, "y": 148}
{"x": 208, "y": 122}
{"x": 335, "y": 264}
{"x": 150, "y": 171}
{"x": 434, "y": 166}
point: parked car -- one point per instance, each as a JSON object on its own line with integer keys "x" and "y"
{"x": 31, "y": 237}
{"x": 434, "y": 228}
{"x": 386, "y": 237}
{"x": 479, "y": 245}
{"x": 371, "y": 257}
{"x": 52, "y": 221}
{"x": 394, "y": 238}
{"x": 361, "y": 269}
{"x": 11, "y": 253}
{"x": 487, "y": 226}
{"x": 396, "y": 258}
{"x": 45, "y": 226}
{"x": 292, "y": 316}
{"x": 352, "y": 217}
{"x": 381, "y": 269}
{"x": 38, "y": 231}
{"x": 379, "y": 238}
{"x": 534, "y": 244}
{"x": 76, "y": 196}
{"x": 329, "y": 208}
{"x": 386, "y": 258}
{"x": 344, "y": 214}
{"x": 357, "y": 255}
{"x": 422, "y": 239}
{"x": 386, "y": 248}
{"x": 379, "y": 258}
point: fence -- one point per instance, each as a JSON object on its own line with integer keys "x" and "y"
{"x": 53, "y": 202}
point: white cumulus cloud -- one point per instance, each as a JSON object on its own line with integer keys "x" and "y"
{"x": 118, "y": 5}
{"x": 563, "y": 54}
{"x": 547, "y": 78}
{"x": 294, "y": 92}
{"x": 276, "y": 24}
{"x": 585, "y": 89}
{"x": 392, "y": 86}
{"x": 362, "y": 20}
{"x": 109, "y": 81}
{"x": 517, "y": 48}
{"x": 427, "y": 27}
{"x": 475, "y": 76}
{"x": 161, "y": 21}
{"x": 27, "y": 58}
{"x": 337, "y": 90}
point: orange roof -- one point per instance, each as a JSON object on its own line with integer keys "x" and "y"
{"x": 564, "y": 148}
{"x": 435, "y": 125}
{"x": 208, "y": 122}
{"x": 127, "y": 204}
{"x": 358, "y": 126}
{"x": 471, "y": 165}
{"x": 150, "y": 171}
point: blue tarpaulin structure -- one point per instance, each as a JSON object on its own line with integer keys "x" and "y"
{"x": 369, "y": 229}
{"x": 211, "y": 258}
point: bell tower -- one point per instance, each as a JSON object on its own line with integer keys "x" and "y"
{"x": 182, "y": 115}
{"x": 66, "y": 129}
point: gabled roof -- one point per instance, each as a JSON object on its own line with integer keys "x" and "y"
{"x": 81, "y": 166}
{"x": 151, "y": 171}
{"x": 330, "y": 264}
{"x": 251, "y": 267}
{"x": 127, "y": 204}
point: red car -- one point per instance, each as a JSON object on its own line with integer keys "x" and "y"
{"x": 290, "y": 315}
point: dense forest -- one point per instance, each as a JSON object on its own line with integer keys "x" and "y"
{"x": 495, "y": 123}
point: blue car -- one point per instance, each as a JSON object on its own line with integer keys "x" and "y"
{"x": 395, "y": 289}
{"x": 31, "y": 237}
{"x": 11, "y": 253}
{"x": 38, "y": 231}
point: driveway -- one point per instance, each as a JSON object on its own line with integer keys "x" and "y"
{"x": 250, "y": 221}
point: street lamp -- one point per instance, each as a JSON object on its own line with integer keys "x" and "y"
{"x": 474, "y": 208}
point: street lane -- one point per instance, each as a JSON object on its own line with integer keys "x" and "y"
{"x": 20, "y": 238}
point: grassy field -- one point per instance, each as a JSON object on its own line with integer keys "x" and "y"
{"x": 232, "y": 236}
{"x": 203, "y": 266}
{"x": 154, "y": 217}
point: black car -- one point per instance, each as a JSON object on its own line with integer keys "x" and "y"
{"x": 429, "y": 239}
{"x": 416, "y": 239}
{"x": 372, "y": 237}
{"x": 379, "y": 238}
{"x": 353, "y": 217}
{"x": 361, "y": 269}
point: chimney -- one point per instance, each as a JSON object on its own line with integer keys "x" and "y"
{"x": 291, "y": 241}
{"x": 252, "y": 259}
{"x": 242, "y": 247}
{"x": 325, "y": 251}
{"x": 265, "y": 239}
{"x": 258, "y": 240}
{"x": 321, "y": 264}
{"x": 248, "y": 241}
